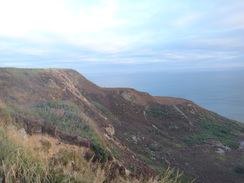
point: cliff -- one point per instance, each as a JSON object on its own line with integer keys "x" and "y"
{"x": 138, "y": 134}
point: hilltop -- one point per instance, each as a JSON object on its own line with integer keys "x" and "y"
{"x": 119, "y": 134}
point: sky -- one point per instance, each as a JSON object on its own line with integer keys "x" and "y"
{"x": 98, "y": 36}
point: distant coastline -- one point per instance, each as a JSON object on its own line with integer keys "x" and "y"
{"x": 219, "y": 91}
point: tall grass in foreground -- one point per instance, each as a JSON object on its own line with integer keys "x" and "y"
{"x": 18, "y": 165}
{"x": 170, "y": 176}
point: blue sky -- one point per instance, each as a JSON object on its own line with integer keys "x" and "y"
{"x": 122, "y": 35}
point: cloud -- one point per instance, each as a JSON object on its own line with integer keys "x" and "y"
{"x": 236, "y": 20}
{"x": 219, "y": 43}
{"x": 186, "y": 20}
{"x": 60, "y": 17}
{"x": 80, "y": 32}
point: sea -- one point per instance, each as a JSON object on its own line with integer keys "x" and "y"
{"x": 219, "y": 91}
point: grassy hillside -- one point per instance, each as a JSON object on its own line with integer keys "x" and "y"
{"x": 86, "y": 132}
{"x": 23, "y": 162}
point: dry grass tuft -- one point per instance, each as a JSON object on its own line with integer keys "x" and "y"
{"x": 19, "y": 165}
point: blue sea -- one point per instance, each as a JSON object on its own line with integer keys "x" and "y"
{"x": 218, "y": 91}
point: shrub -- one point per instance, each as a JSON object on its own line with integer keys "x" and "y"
{"x": 153, "y": 147}
{"x": 100, "y": 151}
{"x": 212, "y": 129}
{"x": 239, "y": 169}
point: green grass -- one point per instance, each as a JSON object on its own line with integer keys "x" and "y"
{"x": 157, "y": 112}
{"x": 115, "y": 152}
{"x": 163, "y": 111}
{"x": 67, "y": 117}
{"x": 4, "y": 113}
{"x": 19, "y": 165}
{"x": 214, "y": 127}
{"x": 156, "y": 132}
{"x": 103, "y": 110}
{"x": 16, "y": 163}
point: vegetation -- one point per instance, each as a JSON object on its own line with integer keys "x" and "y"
{"x": 115, "y": 152}
{"x": 153, "y": 147}
{"x": 46, "y": 145}
{"x": 157, "y": 112}
{"x": 213, "y": 129}
{"x": 169, "y": 176}
{"x": 239, "y": 169}
{"x": 4, "y": 114}
{"x": 150, "y": 132}
{"x": 66, "y": 117}
{"x": 19, "y": 165}
{"x": 104, "y": 111}
{"x": 156, "y": 132}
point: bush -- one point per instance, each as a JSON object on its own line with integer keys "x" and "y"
{"x": 211, "y": 129}
{"x": 153, "y": 147}
{"x": 239, "y": 169}
{"x": 100, "y": 152}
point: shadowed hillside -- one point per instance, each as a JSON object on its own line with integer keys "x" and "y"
{"x": 130, "y": 135}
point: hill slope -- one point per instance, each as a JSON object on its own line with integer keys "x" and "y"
{"x": 143, "y": 134}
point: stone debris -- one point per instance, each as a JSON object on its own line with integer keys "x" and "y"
{"x": 221, "y": 149}
{"x": 241, "y": 146}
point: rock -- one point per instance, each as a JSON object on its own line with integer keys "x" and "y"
{"x": 220, "y": 151}
{"x": 23, "y": 133}
{"x": 241, "y": 146}
{"x": 174, "y": 127}
{"x": 134, "y": 138}
{"x": 110, "y": 130}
